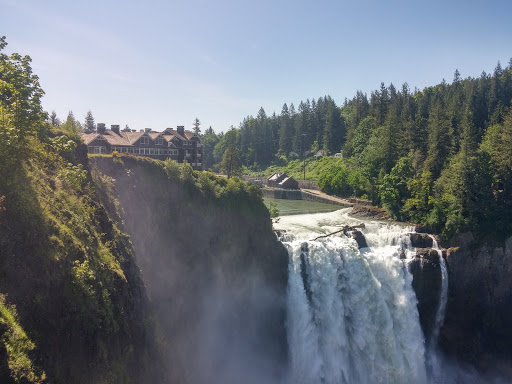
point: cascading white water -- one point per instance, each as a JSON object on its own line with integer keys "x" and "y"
{"x": 433, "y": 362}
{"x": 352, "y": 315}
{"x": 443, "y": 297}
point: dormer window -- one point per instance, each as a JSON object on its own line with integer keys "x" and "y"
{"x": 144, "y": 140}
{"x": 159, "y": 141}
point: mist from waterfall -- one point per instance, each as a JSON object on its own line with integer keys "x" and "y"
{"x": 352, "y": 313}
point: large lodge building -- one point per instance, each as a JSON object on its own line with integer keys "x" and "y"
{"x": 177, "y": 144}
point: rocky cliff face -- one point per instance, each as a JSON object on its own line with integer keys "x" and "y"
{"x": 477, "y": 326}
{"x": 426, "y": 283}
{"x": 73, "y": 307}
{"x": 478, "y": 322}
{"x": 215, "y": 273}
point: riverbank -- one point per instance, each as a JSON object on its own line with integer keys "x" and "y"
{"x": 360, "y": 208}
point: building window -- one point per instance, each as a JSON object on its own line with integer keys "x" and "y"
{"x": 144, "y": 140}
{"x": 159, "y": 141}
{"x": 99, "y": 149}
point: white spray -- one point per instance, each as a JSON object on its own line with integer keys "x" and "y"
{"x": 352, "y": 315}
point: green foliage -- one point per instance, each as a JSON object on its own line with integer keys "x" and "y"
{"x": 88, "y": 123}
{"x": 457, "y": 137}
{"x": 394, "y": 190}
{"x": 21, "y": 113}
{"x": 73, "y": 176}
{"x": 62, "y": 143}
{"x": 362, "y": 135}
{"x": 187, "y": 175}
{"x": 230, "y": 138}
{"x": 209, "y": 140}
{"x": 71, "y": 126}
{"x": 231, "y": 163}
{"x": 272, "y": 209}
{"x": 18, "y": 347}
{"x": 420, "y": 203}
{"x": 197, "y": 125}
{"x": 74, "y": 258}
{"x": 341, "y": 180}
{"x": 172, "y": 168}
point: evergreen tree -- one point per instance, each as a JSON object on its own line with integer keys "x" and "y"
{"x": 362, "y": 134}
{"x": 285, "y": 131}
{"x": 89, "y": 124}
{"x": 54, "y": 120}
{"x": 439, "y": 140}
{"x": 197, "y": 124}
{"x": 209, "y": 141}
{"x": 72, "y": 126}
{"x": 379, "y": 104}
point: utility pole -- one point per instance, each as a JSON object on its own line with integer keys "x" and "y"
{"x": 304, "y": 153}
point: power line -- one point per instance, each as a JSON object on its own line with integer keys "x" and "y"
{"x": 271, "y": 141}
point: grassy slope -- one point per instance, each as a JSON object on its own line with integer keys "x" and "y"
{"x": 295, "y": 168}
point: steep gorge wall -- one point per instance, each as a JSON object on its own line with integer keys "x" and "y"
{"x": 73, "y": 307}
{"x": 478, "y": 322}
{"x": 215, "y": 273}
{"x": 477, "y": 326}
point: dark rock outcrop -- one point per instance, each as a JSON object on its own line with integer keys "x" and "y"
{"x": 478, "y": 326}
{"x": 421, "y": 240}
{"x": 426, "y": 283}
{"x": 304, "y": 268}
{"x": 371, "y": 212}
{"x": 358, "y": 237}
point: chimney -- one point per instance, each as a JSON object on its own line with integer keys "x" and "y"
{"x": 147, "y": 129}
{"x": 115, "y": 128}
{"x": 101, "y": 128}
{"x": 181, "y": 130}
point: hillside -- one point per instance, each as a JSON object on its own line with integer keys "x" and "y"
{"x": 439, "y": 156}
{"x": 73, "y": 304}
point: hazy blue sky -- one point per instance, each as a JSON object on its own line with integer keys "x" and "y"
{"x": 162, "y": 63}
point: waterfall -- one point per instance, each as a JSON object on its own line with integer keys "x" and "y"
{"x": 434, "y": 365}
{"x": 352, "y": 315}
{"x": 443, "y": 296}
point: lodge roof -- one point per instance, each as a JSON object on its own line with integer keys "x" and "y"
{"x": 124, "y": 138}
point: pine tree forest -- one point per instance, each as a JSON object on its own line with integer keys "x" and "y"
{"x": 441, "y": 156}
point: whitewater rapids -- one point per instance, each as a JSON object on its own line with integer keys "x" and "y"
{"x": 352, "y": 313}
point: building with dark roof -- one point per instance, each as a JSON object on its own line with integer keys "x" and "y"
{"x": 177, "y": 144}
{"x": 281, "y": 180}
